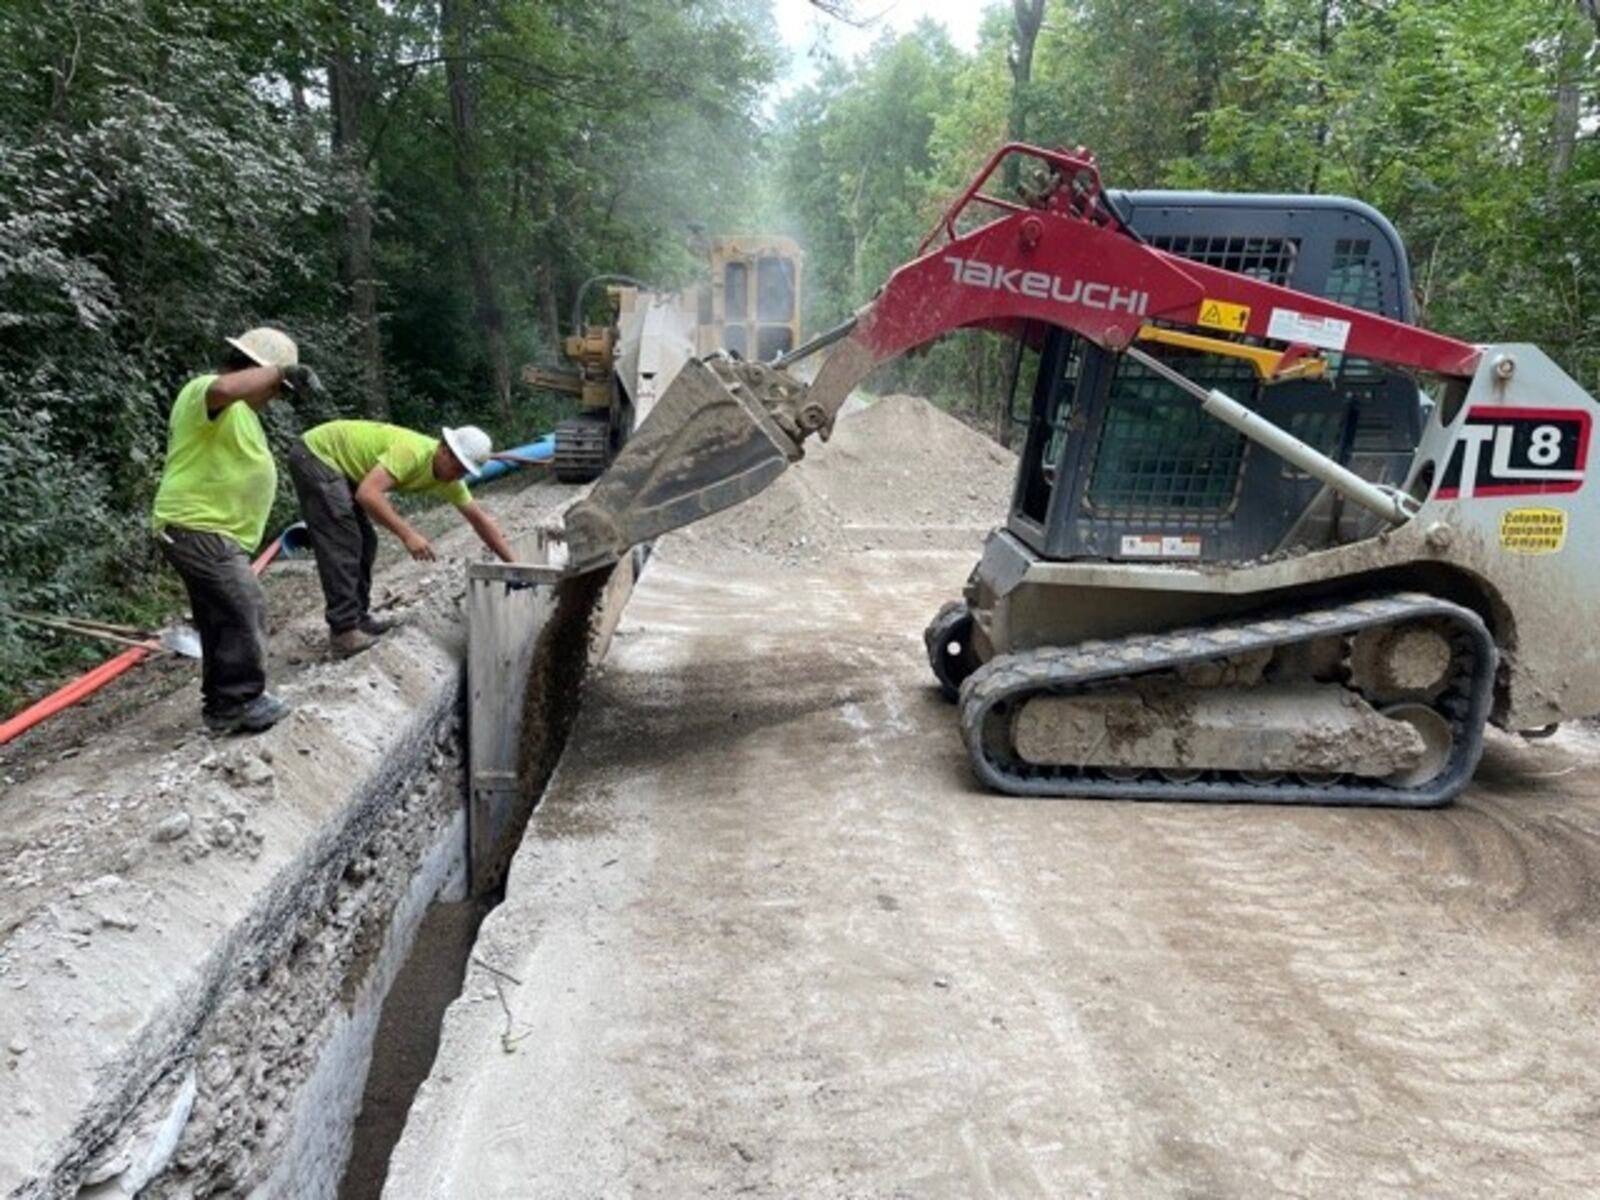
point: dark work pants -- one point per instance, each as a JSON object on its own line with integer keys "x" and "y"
{"x": 230, "y": 613}
{"x": 341, "y": 535}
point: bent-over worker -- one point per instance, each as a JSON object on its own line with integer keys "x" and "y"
{"x": 343, "y": 472}
{"x": 211, "y": 509}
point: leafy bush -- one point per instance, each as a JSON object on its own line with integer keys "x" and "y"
{"x": 174, "y": 171}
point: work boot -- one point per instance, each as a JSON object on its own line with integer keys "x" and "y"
{"x": 376, "y": 626}
{"x": 265, "y": 711}
{"x": 262, "y": 713}
{"x": 222, "y": 721}
{"x": 351, "y": 641}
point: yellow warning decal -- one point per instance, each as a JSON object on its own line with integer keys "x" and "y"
{"x": 1533, "y": 530}
{"x": 1218, "y": 314}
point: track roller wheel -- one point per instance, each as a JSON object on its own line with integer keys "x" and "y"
{"x": 950, "y": 653}
{"x": 1262, "y": 778}
{"x": 1435, "y": 733}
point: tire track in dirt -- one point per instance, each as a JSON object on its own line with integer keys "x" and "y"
{"x": 1525, "y": 840}
{"x": 1060, "y": 952}
{"x": 1443, "y": 1032}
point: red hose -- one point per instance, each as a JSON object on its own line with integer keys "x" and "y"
{"x": 96, "y": 678}
{"x": 66, "y": 697}
{"x": 267, "y": 555}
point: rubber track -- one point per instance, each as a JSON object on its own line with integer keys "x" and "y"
{"x": 989, "y": 693}
{"x": 582, "y": 449}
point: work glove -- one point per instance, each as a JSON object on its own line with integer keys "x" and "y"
{"x": 302, "y": 380}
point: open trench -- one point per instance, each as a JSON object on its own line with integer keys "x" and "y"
{"x": 406, "y": 1039}
{"x": 257, "y": 1087}
{"x": 301, "y": 1056}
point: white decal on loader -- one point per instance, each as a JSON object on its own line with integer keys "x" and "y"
{"x": 1517, "y": 452}
{"x": 1156, "y": 545}
{"x": 974, "y": 272}
{"x": 1327, "y": 333}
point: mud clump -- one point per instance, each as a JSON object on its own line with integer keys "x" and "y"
{"x": 897, "y": 473}
{"x": 560, "y": 662}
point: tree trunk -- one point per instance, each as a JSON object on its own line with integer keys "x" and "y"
{"x": 349, "y": 91}
{"x": 1321, "y": 93}
{"x": 549, "y": 307}
{"x": 1029, "y": 16}
{"x": 1572, "y": 53}
{"x": 455, "y": 31}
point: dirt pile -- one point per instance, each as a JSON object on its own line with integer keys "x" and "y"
{"x": 898, "y": 473}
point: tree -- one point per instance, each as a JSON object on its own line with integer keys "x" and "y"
{"x": 351, "y": 95}
{"x": 457, "y": 35}
{"x": 1028, "y": 16}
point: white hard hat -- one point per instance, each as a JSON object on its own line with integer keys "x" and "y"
{"x": 470, "y": 445}
{"x": 267, "y": 347}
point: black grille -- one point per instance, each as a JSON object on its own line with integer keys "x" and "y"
{"x": 1321, "y": 429}
{"x": 1353, "y": 279}
{"x": 1158, "y": 454}
{"x": 1268, "y": 259}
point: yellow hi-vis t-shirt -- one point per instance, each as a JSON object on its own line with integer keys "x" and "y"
{"x": 219, "y": 476}
{"x": 353, "y": 448}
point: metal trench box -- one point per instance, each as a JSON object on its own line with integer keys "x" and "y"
{"x": 510, "y": 610}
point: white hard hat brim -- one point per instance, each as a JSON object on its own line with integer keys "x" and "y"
{"x": 245, "y": 350}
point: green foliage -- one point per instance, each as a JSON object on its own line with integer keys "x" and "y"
{"x": 174, "y": 171}
{"x": 1445, "y": 117}
{"x": 1445, "y": 114}
{"x": 865, "y": 160}
{"x": 149, "y": 202}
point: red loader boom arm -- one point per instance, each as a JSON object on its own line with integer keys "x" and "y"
{"x": 1064, "y": 259}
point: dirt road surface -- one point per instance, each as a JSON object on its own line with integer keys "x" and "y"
{"x": 766, "y": 937}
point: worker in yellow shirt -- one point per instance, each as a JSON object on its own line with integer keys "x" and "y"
{"x": 211, "y": 508}
{"x": 343, "y": 472}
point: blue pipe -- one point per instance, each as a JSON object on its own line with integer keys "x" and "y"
{"x": 541, "y": 450}
{"x": 297, "y": 541}
{"x": 294, "y": 541}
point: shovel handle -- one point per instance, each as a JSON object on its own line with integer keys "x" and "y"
{"x": 83, "y": 631}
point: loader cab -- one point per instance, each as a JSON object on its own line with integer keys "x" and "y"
{"x": 1119, "y": 464}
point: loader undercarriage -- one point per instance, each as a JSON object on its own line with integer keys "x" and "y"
{"x": 1379, "y": 700}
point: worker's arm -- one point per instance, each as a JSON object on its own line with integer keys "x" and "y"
{"x": 256, "y": 386}
{"x": 483, "y": 525}
{"x": 373, "y": 495}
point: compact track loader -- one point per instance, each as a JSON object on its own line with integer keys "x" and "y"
{"x": 1246, "y": 558}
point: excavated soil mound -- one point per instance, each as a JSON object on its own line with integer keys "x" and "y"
{"x": 898, "y": 473}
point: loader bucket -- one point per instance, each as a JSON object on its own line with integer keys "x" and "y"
{"x": 704, "y": 447}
